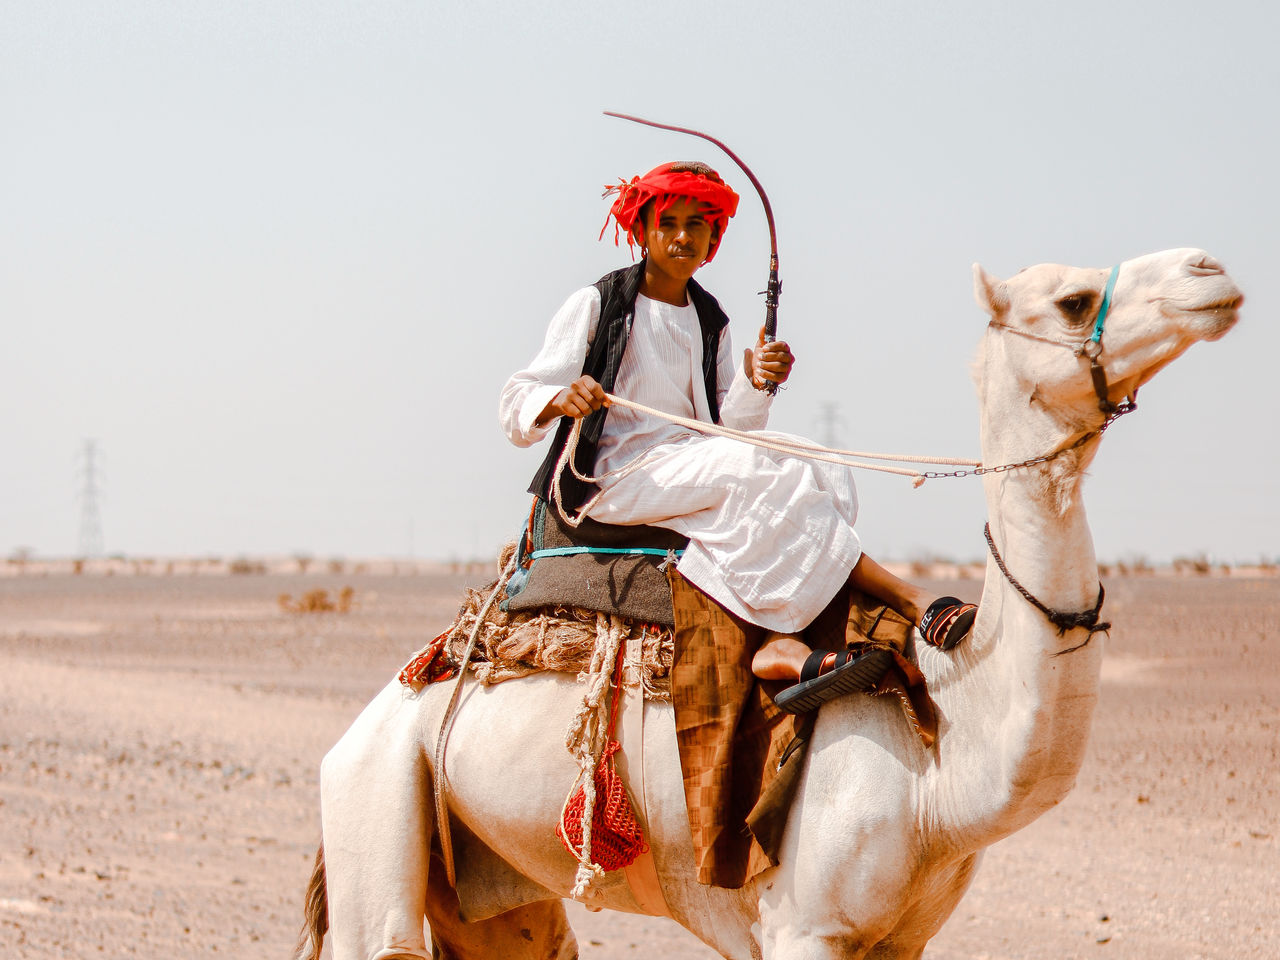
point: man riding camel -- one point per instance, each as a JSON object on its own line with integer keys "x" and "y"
{"x": 771, "y": 536}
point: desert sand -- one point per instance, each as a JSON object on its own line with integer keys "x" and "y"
{"x": 160, "y": 737}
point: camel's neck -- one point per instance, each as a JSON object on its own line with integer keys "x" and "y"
{"x": 1018, "y": 713}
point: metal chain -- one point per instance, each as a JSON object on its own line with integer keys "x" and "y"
{"x": 1126, "y": 406}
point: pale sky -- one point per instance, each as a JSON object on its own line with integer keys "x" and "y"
{"x": 277, "y": 259}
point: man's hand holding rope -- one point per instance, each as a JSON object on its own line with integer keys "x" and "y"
{"x": 578, "y": 399}
{"x": 766, "y": 362}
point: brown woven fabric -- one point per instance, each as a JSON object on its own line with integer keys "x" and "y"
{"x": 905, "y": 682}
{"x": 732, "y": 739}
{"x": 729, "y": 733}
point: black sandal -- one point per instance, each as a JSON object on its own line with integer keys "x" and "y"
{"x": 947, "y": 621}
{"x": 849, "y": 673}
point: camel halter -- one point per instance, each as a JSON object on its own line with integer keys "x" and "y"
{"x": 1091, "y": 350}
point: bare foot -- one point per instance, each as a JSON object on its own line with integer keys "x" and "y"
{"x": 781, "y": 657}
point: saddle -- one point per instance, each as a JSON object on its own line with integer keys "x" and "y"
{"x": 604, "y": 567}
{"x": 740, "y": 755}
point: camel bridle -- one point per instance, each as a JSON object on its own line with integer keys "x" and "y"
{"x": 1090, "y": 349}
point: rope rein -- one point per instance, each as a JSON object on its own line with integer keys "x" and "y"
{"x": 788, "y": 445}
{"x": 796, "y": 448}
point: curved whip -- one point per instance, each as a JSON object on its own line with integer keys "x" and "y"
{"x": 764, "y": 198}
{"x": 773, "y": 292}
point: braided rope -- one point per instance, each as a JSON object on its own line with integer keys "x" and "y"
{"x": 442, "y": 739}
{"x": 796, "y": 448}
{"x": 585, "y": 739}
{"x": 799, "y": 447}
{"x": 1087, "y": 619}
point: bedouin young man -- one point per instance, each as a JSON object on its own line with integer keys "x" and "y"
{"x": 771, "y": 536}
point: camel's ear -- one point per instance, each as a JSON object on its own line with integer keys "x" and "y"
{"x": 992, "y": 295}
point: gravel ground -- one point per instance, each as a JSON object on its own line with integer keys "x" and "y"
{"x": 160, "y": 738}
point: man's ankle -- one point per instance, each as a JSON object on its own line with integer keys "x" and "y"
{"x": 780, "y": 657}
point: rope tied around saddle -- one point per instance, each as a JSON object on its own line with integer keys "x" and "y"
{"x": 559, "y": 639}
{"x": 442, "y": 739}
{"x": 494, "y": 646}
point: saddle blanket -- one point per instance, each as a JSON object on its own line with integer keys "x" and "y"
{"x": 605, "y": 567}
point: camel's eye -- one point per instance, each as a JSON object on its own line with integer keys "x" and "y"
{"x": 1076, "y": 307}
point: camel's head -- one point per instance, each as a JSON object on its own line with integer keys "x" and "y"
{"x": 1037, "y": 367}
{"x": 1161, "y": 304}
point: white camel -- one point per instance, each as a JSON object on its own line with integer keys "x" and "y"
{"x": 885, "y": 835}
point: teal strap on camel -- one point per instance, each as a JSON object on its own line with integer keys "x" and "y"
{"x": 1106, "y": 304}
{"x": 571, "y": 551}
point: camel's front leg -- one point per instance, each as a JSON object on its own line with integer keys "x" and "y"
{"x": 377, "y": 816}
{"x": 844, "y": 881}
{"x": 891, "y": 914}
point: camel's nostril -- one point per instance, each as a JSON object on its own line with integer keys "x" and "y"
{"x": 1205, "y": 266}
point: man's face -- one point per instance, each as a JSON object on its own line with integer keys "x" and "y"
{"x": 680, "y": 239}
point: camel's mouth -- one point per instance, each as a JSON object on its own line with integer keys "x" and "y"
{"x": 1213, "y": 320}
{"x": 1206, "y": 320}
{"x": 1214, "y": 313}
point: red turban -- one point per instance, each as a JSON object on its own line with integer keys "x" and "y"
{"x": 666, "y": 186}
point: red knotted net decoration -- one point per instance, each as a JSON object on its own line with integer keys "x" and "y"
{"x": 616, "y": 839}
{"x": 429, "y": 665}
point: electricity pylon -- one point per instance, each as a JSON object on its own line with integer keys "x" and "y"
{"x": 90, "y": 518}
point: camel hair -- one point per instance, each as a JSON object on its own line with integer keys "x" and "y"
{"x": 885, "y": 835}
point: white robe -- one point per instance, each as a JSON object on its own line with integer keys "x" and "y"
{"x": 770, "y": 536}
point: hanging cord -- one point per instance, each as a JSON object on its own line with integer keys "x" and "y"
{"x": 1087, "y": 620}
{"x": 586, "y": 738}
{"x": 442, "y": 807}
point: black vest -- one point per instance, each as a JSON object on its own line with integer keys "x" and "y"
{"x": 618, "y": 292}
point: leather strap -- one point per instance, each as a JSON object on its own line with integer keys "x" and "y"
{"x": 641, "y": 873}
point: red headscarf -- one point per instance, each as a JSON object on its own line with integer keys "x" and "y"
{"x": 666, "y": 186}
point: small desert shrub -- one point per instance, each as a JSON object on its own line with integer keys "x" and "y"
{"x": 1197, "y": 565}
{"x": 317, "y": 601}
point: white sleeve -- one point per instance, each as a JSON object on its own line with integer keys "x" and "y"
{"x": 557, "y": 364}
{"x": 742, "y": 406}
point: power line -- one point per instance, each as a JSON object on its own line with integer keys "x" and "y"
{"x": 830, "y": 423}
{"x": 90, "y": 516}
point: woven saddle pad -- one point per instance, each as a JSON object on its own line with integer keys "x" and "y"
{"x": 633, "y": 586}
